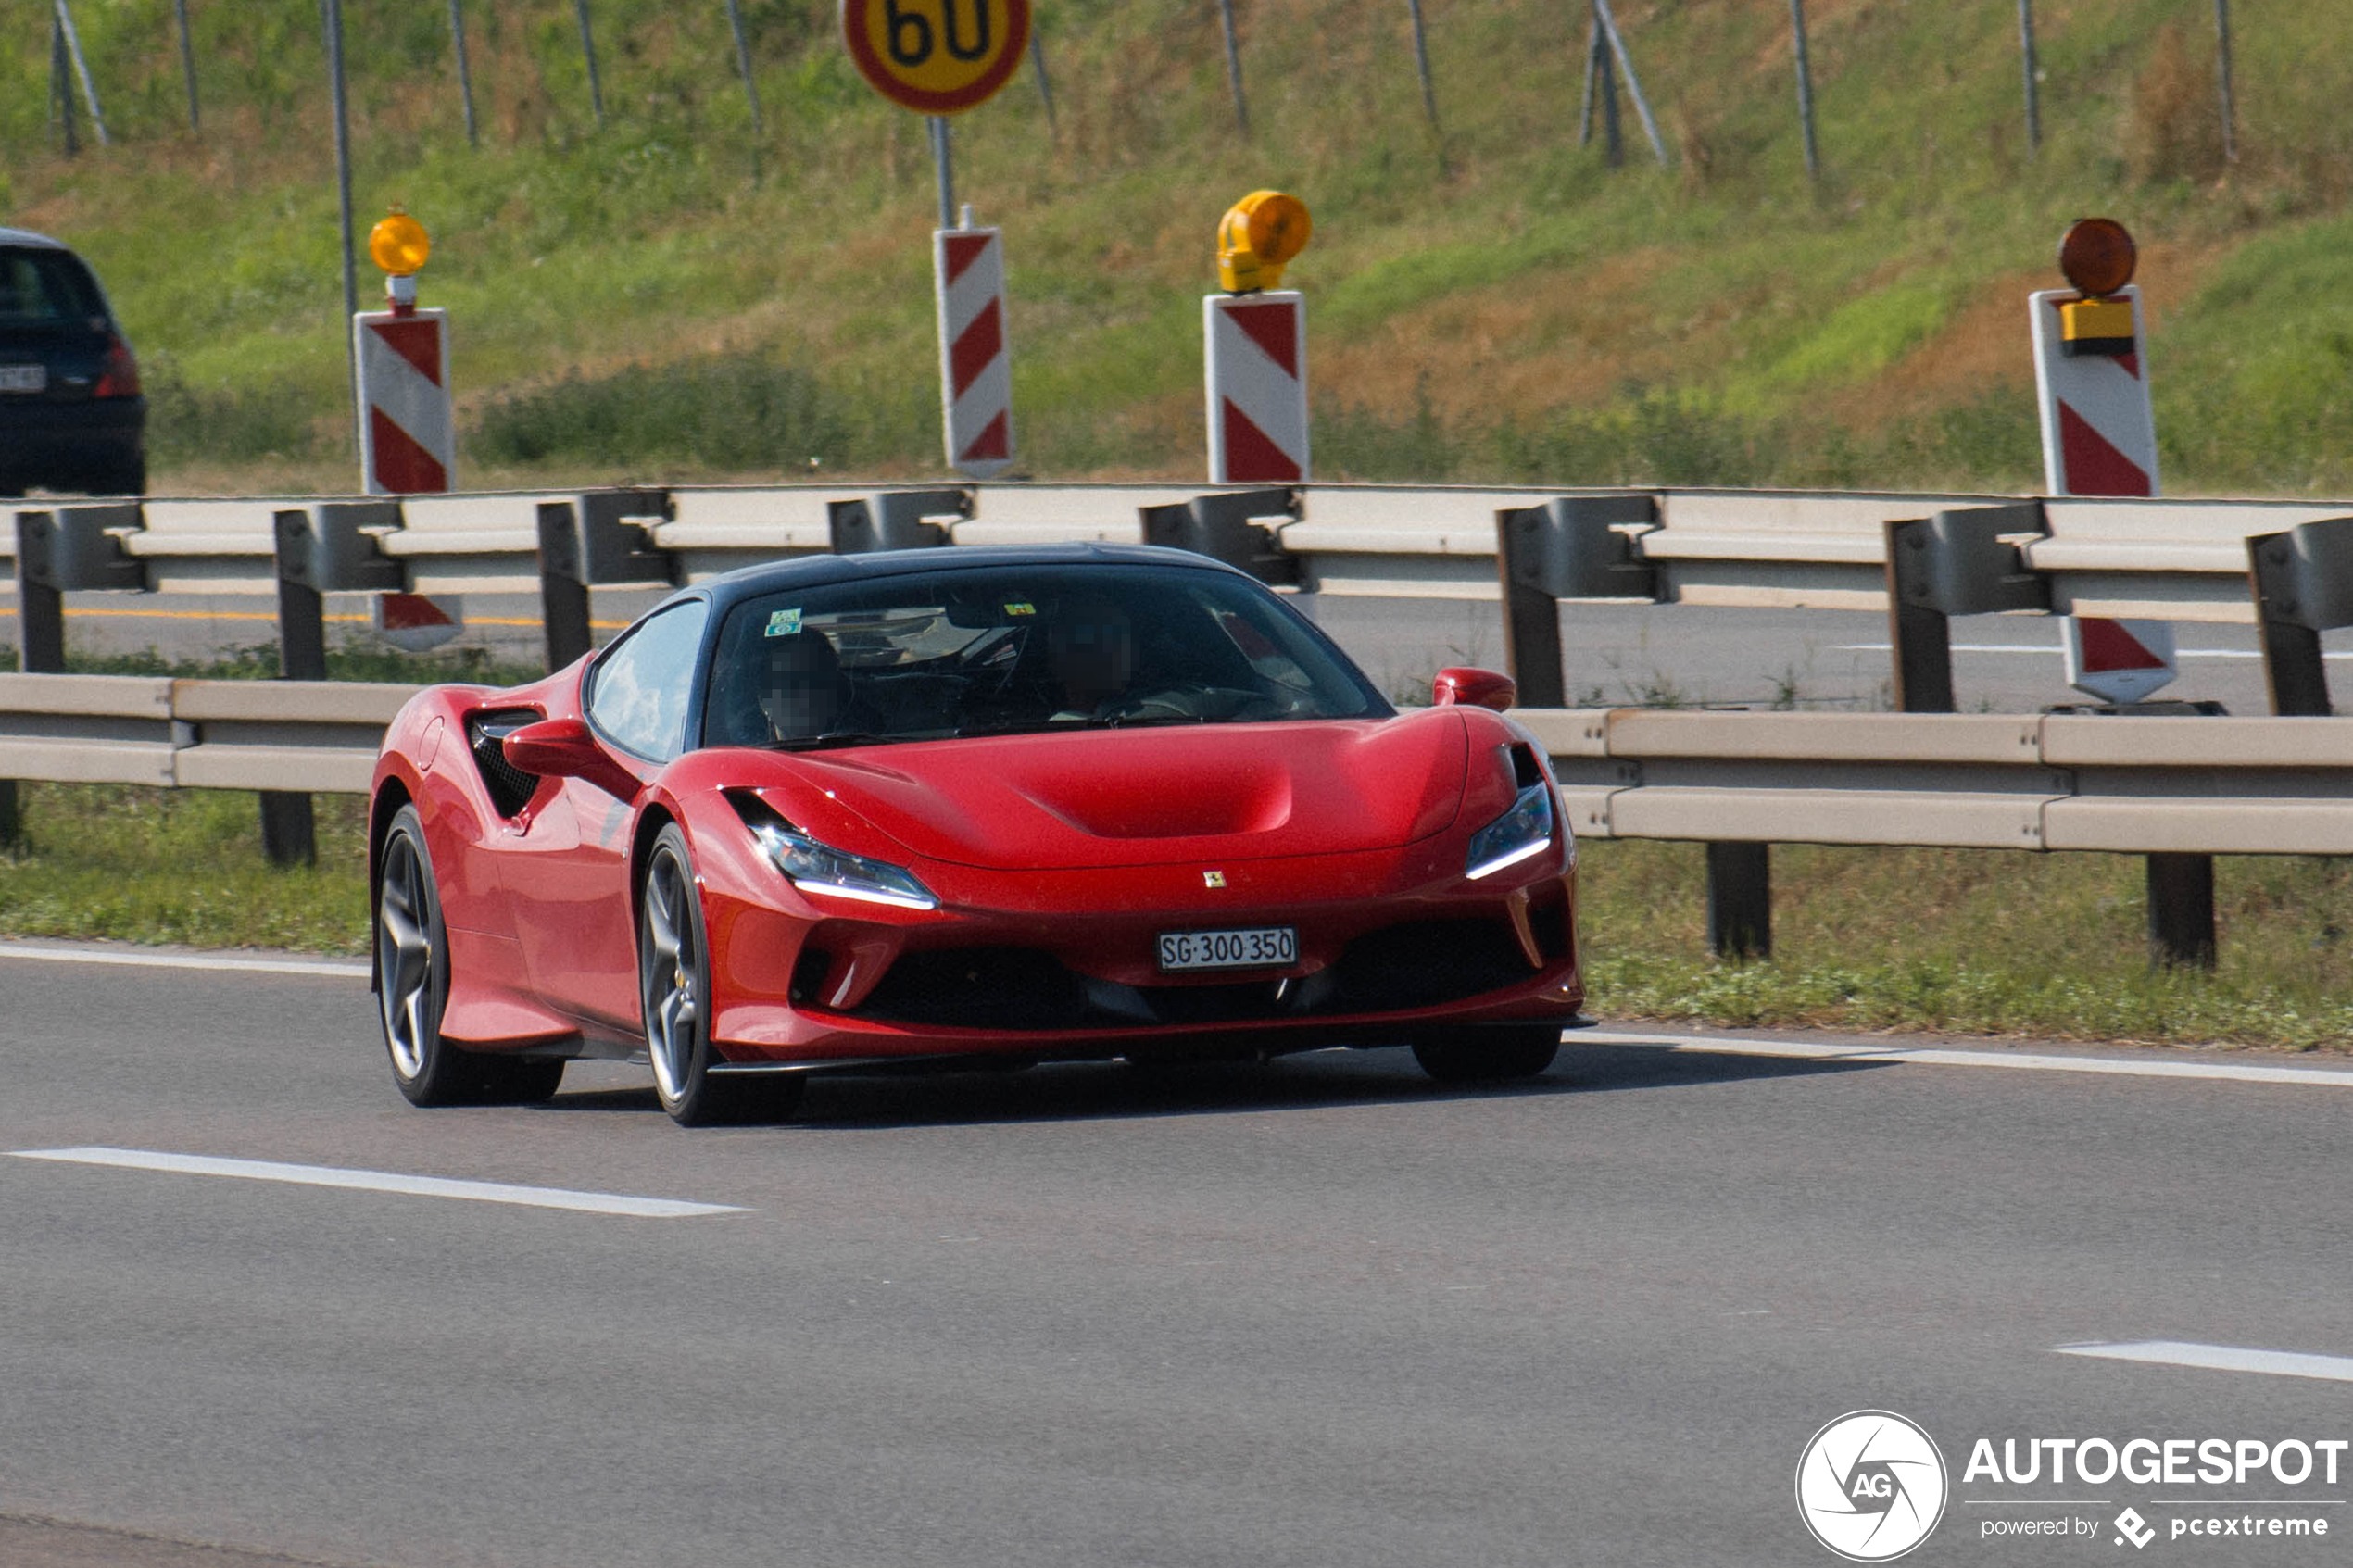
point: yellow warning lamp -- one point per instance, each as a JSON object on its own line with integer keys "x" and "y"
{"x": 1257, "y": 238}
{"x": 2098, "y": 256}
{"x": 400, "y": 245}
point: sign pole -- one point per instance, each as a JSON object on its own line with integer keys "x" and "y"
{"x": 940, "y": 58}
{"x": 943, "y": 164}
{"x": 334, "y": 13}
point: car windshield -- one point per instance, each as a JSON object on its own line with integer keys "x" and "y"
{"x": 997, "y": 650}
{"x": 43, "y": 288}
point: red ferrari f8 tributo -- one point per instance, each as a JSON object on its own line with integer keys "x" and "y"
{"x": 976, "y": 805}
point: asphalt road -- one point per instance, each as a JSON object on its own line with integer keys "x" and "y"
{"x": 1315, "y": 1313}
{"x": 1614, "y": 654}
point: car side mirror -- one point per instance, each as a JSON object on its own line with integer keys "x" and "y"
{"x": 1480, "y": 688}
{"x": 563, "y": 749}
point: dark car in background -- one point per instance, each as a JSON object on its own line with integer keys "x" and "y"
{"x": 71, "y": 415}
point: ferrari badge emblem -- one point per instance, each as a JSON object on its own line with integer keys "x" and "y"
{"x": 1212, "y": 879}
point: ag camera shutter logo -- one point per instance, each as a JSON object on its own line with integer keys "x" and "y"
{"x": 1871, "y": 1486}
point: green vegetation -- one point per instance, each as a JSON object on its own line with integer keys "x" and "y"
{"x": 351, "y": 660}
{"x": 180, "y": 865}
{"x": 671, "y": 297}
{"x": 1974, "y": 941}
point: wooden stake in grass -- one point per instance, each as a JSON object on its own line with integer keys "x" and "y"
{"x": 187, "y": 61}
{"x": 1234, "y": 67}
{"x": 81, "y": 69}
{"x": 1421, "y": 65}
{"x": 1045, "y": 83}
{"x": 465, "y": 74}
{"x": 62, "y": 87}
{"x": 2034, "y": 92}
{"x": 2221, "y": 72}
{"x": 1633, "y": 83}
{"x": 1805, "y": 90}
{"x": 588, "y": 53}
{"x": 743, "y": 61}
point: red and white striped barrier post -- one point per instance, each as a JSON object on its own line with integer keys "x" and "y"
{"x": 2100, "y": 435}
{"x": 975, "y": 371}
{"x": 1254, "y": 339}
{"x": 407, "y": 433}
{"x": 1257, "y": 349}
{"x": 408, "y": 436}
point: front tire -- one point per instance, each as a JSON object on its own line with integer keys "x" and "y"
{"x": 673, "y": 991}
{"x": 412, "y": 985}
{"x": 1489, "y": 1055}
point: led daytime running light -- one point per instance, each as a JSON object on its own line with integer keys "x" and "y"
{"x": 1523, "y": 831}
{"x": 813, "y": 867}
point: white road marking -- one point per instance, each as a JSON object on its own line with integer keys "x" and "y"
{"x": 383, "y": 1181}
{"x": 186, "y": 960}
{"x": 1938, "y": 1056}
{"x": 2220, "y": 1358}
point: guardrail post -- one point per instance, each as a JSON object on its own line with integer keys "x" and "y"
{"x": 71, "y": 549}
{"x": 600, "y": 539}
{"x": 2302, "y": 580}
{"x": 289, "y": 828}
{"x": 1224, "y": 525}
{"x": 1740, "y": 900}
{"x": 1963, "y": 563}
{"x": 2181, "y": 897}
{"x": 1951, "y": 563}
{"x": 1571, "y": 547}
{"x": 318, "y": 550}
{"x": 896, "y": 519}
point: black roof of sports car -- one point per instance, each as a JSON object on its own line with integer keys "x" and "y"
{"x": 752, "y": 581}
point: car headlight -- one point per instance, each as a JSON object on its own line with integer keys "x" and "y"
{"x": 815, "y": 866}
{"x": 1525, "y": 830}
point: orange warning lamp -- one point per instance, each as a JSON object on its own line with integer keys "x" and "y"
{"x": 1257, "y": 238}
{"x": 398, "y": 243}
{"x": 2098, "y": 256}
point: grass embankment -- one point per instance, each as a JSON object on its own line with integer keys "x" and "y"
{"x": 670, "y": 296}
{"x": 1969, "y": 941}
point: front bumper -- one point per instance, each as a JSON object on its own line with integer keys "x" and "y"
{"x": 1064, "y": 964}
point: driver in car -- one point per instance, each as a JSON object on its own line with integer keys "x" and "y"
{"x": 805, "y": 693}
{"x": 1091, "y": 650}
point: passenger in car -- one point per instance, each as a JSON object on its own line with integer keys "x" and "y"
{"x": 805, "y": 692}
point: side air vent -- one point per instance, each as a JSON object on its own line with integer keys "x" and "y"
{"x": 511, "y": 788}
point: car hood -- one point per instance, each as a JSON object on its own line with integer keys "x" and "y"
{"x": 1148, "y": 796}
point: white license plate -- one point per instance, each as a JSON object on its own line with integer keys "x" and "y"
{"x": 24, "y": 377}
{"x": 1265, "y": 946}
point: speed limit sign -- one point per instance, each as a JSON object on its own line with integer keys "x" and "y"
{"x": 937, "y": 56}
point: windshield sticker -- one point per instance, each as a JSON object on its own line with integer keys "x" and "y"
{"x": 1021, "y": 609}
{"x": 783, "y": 623}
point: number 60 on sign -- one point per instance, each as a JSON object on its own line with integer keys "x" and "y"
{"x": 937, "y": 56}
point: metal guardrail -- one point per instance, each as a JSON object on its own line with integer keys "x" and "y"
{"x": 2183, "y": 561}
{"x": 2284, "y": 566}
{"x": 2051, "y": 781}
{"x": 306, "y": 735}
{"x": 2176, "y": 789}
